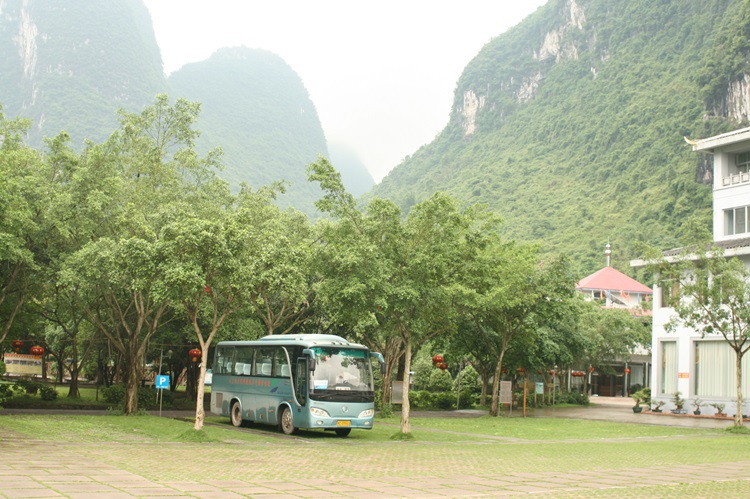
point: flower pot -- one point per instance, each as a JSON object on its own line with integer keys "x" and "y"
{"x": 637, "y": 409}
{"x": 697, "y": 413}
{"x": 656, "y": 410}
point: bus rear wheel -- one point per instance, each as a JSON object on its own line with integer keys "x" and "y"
{"x": 286, "y": 423}
{"x": 235, "y": 414}
{"x": 343, "y": 432}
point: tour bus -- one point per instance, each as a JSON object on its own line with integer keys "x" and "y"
{"x": 295, "y": 381}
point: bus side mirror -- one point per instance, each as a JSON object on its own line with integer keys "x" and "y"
{"x": 311, "y": 355}
{"x": 381, "y": 360}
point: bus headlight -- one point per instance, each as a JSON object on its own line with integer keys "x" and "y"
{"x": 319, "y": 413}
{"x": 367, "y": 414}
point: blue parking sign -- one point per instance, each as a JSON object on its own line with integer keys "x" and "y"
{"x": 162, "y": 382}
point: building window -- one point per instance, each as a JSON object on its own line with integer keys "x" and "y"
{"x": 742, "y": 161}
{"x": 670, "y": 291}
{"x": 668, "y": 367}
{"x": 735, "y": 221}
{"x": 715, "y": 372}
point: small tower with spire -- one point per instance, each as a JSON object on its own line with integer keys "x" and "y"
{"x": 608, "y": 254}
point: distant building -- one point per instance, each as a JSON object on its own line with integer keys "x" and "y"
{"x": 696, "y": 366}
{"x": 617, "y": 290}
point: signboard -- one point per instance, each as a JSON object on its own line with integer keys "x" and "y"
{"x": 506, "y": 392}
{"x": 162, "y": 382}
{"x": 540, "y": 388}
{"x": 17, "y": 363}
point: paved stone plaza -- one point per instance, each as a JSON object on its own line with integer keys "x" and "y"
{"x": 32, "y": 468}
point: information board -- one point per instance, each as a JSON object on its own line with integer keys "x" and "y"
{"x": 506, "y": 392}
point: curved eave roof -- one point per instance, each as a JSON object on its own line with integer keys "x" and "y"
{"x": 610, "y": 279}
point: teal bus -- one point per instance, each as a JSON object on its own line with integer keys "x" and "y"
{"x": 299, "y": 381}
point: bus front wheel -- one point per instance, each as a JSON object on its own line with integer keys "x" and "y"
{"x": 286, "y": 422}
{"x": 235, "y": 414}
{"x": 343, "y": 432}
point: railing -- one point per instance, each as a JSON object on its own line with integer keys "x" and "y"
{"x": 736, "y": 178}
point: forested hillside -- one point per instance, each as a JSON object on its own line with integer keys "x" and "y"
{"x": 71, "y": 65}
{"x": 256, "y": 108}
{"x": 571, "y": 124}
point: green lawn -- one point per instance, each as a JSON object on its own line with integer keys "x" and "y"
{"x": 160, "y": 448}
{"x": 118, "y": 428}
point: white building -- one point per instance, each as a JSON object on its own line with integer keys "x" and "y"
{"x": 684, "y": 361}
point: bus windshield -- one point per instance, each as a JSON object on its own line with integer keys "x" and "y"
{"x": 341, "y": 374}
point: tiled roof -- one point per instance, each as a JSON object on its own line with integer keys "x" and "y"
{"x": 611, "y": 279}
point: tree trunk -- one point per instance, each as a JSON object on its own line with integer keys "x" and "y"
{"x": 200, "y": 412}
{"x": 131, "y": 387}
{"x": 73, "y": 391}
{"x": 738, "y": 416}
{"x": 483, "y": 396}
{"x": 405, "y": 407}
{"x": 495, "y": 404}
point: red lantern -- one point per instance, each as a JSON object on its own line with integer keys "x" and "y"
{"x": 551, "y": 372}
{"x": 504, "y": 370}
{"x": 591, "y": 369}
{"x": 627, "y": 371}
{"x": 521, "y": 371}
{"x": 208, "y": 290}
{"x": 17, "y": 345}
{"x": 36, "y": 350}
{"x": 443, "y": 365}
{"x": 194, "y": 354}
{"x": 437, "y": 359}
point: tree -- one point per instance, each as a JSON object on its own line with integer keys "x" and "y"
{"x": 354, "y": 289}
{"x": 710, "y": 293}
{"x": 19, "y": 166}
{"x": 512, "y": 295}
{"x": 280, "y": 251}
{"x": 123, "y": 273}
{"x": 205, "y": 277}
{"x": 607, "y": 334}
{"x": 393, "y": 279}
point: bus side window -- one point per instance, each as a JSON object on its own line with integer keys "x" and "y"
{"x": 224, "y": 360}
{"x": 280, "y": 365}
{"x": 244, "y": 360}
{"x": 264, "y": 358}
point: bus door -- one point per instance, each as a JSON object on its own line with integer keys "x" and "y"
{"x": 300, "y": 380}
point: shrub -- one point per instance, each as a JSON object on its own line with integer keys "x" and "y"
{"x": 6, "y": 391}
{"x": 29, "y": 386}
{"x": 47, "y": 392}
{"x": 115, "y": 395}
{"x": 444, "y": 400}
{"x": 386, "y": 410}
{"x": 440, "y": 381}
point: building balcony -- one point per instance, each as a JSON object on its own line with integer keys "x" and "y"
{"x": 735, "y": 179}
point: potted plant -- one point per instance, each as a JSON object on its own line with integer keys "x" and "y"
{"x": 637, "y": 399}
{"x": 678, "y": 402}
{"x": 658, "y": 405}
{"x": 697, "y": 404}
{"x": 640, "y": 397}
{"x": 719, "y": 409}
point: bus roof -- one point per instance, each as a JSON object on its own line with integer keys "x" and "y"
{"x": 304, "y": 340}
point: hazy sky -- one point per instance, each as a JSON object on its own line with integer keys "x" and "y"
{"x": 381, "y": 74}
